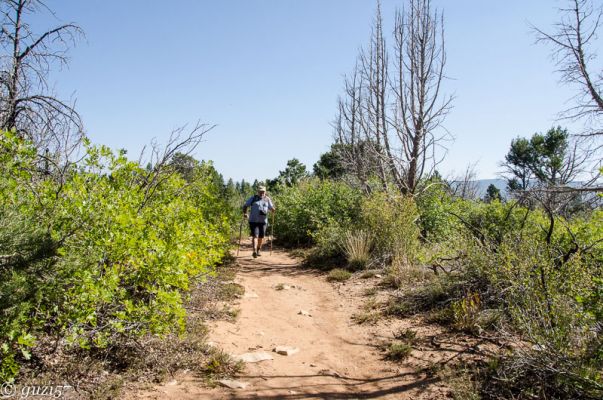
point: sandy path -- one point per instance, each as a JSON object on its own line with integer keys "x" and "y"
{"x": 337, "y": 359}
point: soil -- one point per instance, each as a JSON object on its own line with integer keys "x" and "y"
{"x": 338, "y": 358}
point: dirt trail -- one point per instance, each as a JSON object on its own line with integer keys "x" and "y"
{"x": 337, "y": 358}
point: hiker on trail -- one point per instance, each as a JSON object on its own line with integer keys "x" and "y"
{"x": 258, "y": 218}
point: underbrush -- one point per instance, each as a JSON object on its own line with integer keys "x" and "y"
{"x": 104, "y": 373}
{"x": 513, "y": 272}
{"x": 532, "y": 286}
{"x": 99, "y": 255}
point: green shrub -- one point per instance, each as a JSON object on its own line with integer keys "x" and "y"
{"x": 398, "y": 351}
{"x": 391, "y": 222}
{"x": 312, "y": 205}
{"x": 435, "y": 203}
{"x": 339, "y": 275}
{"x": 99, "y": 253}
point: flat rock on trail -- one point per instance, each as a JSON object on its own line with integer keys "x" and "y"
{"x": 337, "y": 359}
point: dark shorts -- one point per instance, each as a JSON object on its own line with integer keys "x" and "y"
{"x": 257, "y": 229}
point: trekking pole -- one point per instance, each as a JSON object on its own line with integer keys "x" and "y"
{"x": 240, "y": 235}
{"x": 272, "y": 230}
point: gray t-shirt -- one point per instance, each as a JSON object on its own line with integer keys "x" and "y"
{"x": 259, "y": 208}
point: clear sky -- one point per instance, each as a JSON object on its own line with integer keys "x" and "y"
{"x": 268, "y": 73}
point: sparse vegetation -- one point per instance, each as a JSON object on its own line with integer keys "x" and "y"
{"x": 339, "y": 275}
{"x": 366, "y": 317}
{"x": 398, "y": 351}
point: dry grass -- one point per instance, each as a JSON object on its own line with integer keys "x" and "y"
{"x": 357, "y": 248}
{"x": 462, "y": 383}
{"x": 366, "y": 317}
{"x": 402, "y": 273}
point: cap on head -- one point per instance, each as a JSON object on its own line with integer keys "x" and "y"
{"x": 262, "y": 189}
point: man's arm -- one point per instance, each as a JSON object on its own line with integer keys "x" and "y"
{"x": 271, "y": 206}
{"x": 246, "y": 206}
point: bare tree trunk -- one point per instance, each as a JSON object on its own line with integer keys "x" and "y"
{"x": 374, "y": 70}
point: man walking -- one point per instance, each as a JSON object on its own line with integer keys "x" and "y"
{"x": 260, "y": 205}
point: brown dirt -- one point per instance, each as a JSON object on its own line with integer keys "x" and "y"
{"x": 338, "y": 358}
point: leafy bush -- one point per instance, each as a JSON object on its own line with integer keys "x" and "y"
{"x": 312, "y": 205}
{"x": 434, "y": 205}
{"x": 101, "y": 252}
{"x": 543, "y": 274}
{"x": 391, "y": 221}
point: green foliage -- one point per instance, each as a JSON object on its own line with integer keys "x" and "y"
{"x": 466, "y": 312}
{"x": 101, "y": 253}
{"x": 330, "y": 164}
{"x": 339, "y": 275}
{"x": 492, "y": 194}
{"x": 391, "y": 222}
{"x": 398, "y": 351}
{"x": 185, "y": 165}
{"x": 435, "y": 205}
{"x": 293, "y": 173}
{"x": 312, "y": 205}
{"x": 543, "y": 159}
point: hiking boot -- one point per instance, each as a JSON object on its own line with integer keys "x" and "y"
{"x": 258, "y": 253}
{"x": 254, "y": 255}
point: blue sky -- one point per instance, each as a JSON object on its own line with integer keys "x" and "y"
{"x": 268, "y": 73}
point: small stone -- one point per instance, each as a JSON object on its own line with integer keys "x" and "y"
{"x": 254, "y": 357}
{"x": 538, "y": 347}
{"x": 378, "y": 276}
{"x": 304, "y": 312}
{"x": 329, "y": 372}
{"x": 286, "y": 350}
{"x": 313, "y": 365}
{"x": 229, "y": 383}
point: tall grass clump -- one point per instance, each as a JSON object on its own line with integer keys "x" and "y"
{"x": 357, "y": 248}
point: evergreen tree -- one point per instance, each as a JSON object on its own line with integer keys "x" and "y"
{"x": 492, "y": 194}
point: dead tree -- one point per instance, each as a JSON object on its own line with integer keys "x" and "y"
{"x": 420, "y": 107}
{"x": 26, "y": 102}
{"x": 393, "y": 110}
{"x": 348, "y": 134}
{"x": 374, "y": 72}
{"x": 573, "y": 52}
{"x": 465, "y": 186}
